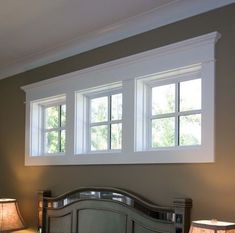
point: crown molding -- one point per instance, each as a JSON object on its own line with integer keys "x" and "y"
{"x": 192, "y": 43}
{"x": 167, "y": 14}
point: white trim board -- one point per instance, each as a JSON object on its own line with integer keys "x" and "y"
{"x": 130, "y": 71}
{"x": 170, "y": 13}
{"x": 192, "y": 43}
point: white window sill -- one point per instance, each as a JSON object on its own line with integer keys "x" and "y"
{"x": 179, "y": 155}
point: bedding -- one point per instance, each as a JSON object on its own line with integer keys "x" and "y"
{"x": 110, "y": 210}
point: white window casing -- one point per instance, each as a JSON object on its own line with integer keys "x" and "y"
{"x": 144, "y": 107}
{"x": 130, "y": 74}
{"x": 36, "y": 128}
{"x": 82, "y": 107}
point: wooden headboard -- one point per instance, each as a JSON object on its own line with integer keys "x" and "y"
{"x": 110, "y": 210}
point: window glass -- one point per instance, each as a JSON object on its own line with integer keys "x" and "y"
{"x": 99, "y": 137}
{"x": 171, "y": 125}
{"x": 190, "y": 130}
{"x": 116, "y": 109}
{"x": 163, "y": 132}
{"x": 52, "y": 142}
{"x": 54, "y": 129}
{"x": 52, "y": 117}
{"x": 163, "y": 99}
{"x": 116, "y": 136}
{"x": 99, "y": 109}
{"x": 105, "y": 122}
{"x": 63, "y": 115}
{"x": 62, "y": 141}
{"x": 190, "y": 95}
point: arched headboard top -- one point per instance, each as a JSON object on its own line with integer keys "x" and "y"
{"x": 177, "y": 214}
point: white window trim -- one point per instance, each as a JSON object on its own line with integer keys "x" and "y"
{"x": 36, "y": 128}
{"x": 81, "y": 145}
{"x": 89, "y": 96}
{"x": 198, "y": 50}
{"x": 144, "y": 104}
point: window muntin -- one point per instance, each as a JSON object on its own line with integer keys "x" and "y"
{"x": 175, "y": 107}
{"x": 105, "y": 122}
{"x": 54, "y": 131}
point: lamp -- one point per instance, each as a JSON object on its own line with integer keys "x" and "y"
{"x": 10, "y": 217}
{"x": 212, "y": 226}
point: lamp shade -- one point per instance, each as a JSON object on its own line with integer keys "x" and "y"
{"x": 10, "y": 217}
{"x": 212, "y": 226}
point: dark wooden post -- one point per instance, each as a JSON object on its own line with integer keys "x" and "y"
{"x": 41, "y": 210}
{"x": 182, "y": 208}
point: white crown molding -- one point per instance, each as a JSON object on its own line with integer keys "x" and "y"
{"x": 210, "y": 38}
{"x": 170, "y": 13}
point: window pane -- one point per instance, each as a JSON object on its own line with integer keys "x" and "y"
{"x": 51, "y": 142}
{"x": 116, "y": 107}
{"x": 62, "y": 141}
{"x": 99, "y": 109}
{"x": 163, "y": 99}
{"x": 190, "y": 95}
{"x": 163, "y": 132}
{"x": 190, "y": 130}
{"x": 116, "y": 136}
{"x": 99, "y": 137}
{"x": 52, "y": 117}
{"x": 63, "y": 115}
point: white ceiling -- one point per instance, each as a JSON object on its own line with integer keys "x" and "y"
{"x": 34, "y": 33}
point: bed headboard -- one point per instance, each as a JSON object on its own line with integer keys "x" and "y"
{"x": 110, "y": 210}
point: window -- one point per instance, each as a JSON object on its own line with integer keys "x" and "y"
{"x": 54, "y": 132}
{"x": 175, "y": 111}
{"x": 105, "y": 122}
{"x": 152, "y": 107}
{"x": 48, "y": 131}
{"x": 98, "y": 125}
{"x": 172, "y": 105}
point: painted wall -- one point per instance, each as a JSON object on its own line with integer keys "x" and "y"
{"x": 211, "y": 186}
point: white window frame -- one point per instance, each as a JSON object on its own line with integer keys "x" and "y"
{"x": 170, "y": 77}
{"x": 108, "y": 123}
{"x": 36, "y": 143}
{"x": 82, "y": 116}
{"x": 130, "y": 74}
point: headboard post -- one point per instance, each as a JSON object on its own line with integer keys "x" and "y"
{"x": 182, "y": 208}
{"x": 41, "y": 209}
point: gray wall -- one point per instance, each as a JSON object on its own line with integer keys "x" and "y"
{"x": 211, "y": 186}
